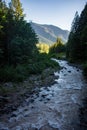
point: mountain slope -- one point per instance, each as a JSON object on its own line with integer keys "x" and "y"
{"x": 49, "y": 33}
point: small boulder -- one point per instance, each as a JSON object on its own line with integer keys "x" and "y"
{"x": 48, "y": 127}
{"x": 69, "y": 71}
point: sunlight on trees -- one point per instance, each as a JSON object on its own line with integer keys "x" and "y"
{"x": 43, "y": 48}
{"x": 57, "y": 47}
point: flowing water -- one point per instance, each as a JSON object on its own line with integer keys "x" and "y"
{"x": 55, "y": 107}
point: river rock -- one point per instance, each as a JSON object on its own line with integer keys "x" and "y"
{"x": 32, "y": 100}
{"x": 8, "y": 85}
{"x": 32, "y": 129}
{"x": 43, "y": 95}
{"x": 77, "y": 69}
{"x": 69, "y": 71}
{"x": 2, "y": 127}
{"x": 48, "y": 99}
{"x": 48, "y": 127}
{"x": 4, "y": 99}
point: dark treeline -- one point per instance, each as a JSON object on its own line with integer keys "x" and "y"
{"x": 19, "y": 56}
{"x": 77, "y": 42}
{"x": 17, "y": 38}
{"x": 57, "y": 47}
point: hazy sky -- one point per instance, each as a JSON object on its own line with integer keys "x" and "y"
{"x": 55, "y": 12}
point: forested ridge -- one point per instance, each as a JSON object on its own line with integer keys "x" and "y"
{"x": 48, "y": 33}
{"x": 20, "y": 53}
{"x": 76, "y": 49}
{"x": 17, "y": 38}
{"x": 19, "y": 56}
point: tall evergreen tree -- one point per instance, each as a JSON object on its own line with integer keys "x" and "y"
{"x": 17, "y": 38}
{"x": 77, "y": 42}
{"x": 57, "y": 47}
{"x": 17, "y": 8}
{"x": 82, "y": 33}
{"x": 75, "y": 23}
{"x": 72, "y": 44}
{"x": 3, "y": 22}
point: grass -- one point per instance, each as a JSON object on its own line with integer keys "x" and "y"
{"x": 21, "y": 72}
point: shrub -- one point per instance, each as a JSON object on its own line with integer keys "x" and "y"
{"x": 8, "y": 74}
{"x": 21, "y": 72}
{"x": 85, "y": 69}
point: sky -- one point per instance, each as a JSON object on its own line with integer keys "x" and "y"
{"x": 52, "y": 12}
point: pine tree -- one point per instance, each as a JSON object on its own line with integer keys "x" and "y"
{"x": 3, "y": 21}
{"x": 75, "y": 23}
{"x": 72, "y": 44}
{"x": 57, "y": 47}
{"x": 17, "y": 8}
{"x": 77, "y": 42}
{"x": 17, "y": 38}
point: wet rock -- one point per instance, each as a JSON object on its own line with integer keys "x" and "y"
{"x": 3, "y": 99}
{"x": 65, "y": 68}
{"x": 6, "y": 109}
{"x": 26, "y": 114}
{"x": 47, "y": 89}
{"x": 48, "y": 99}
{"x": 48, "y": 127}
{"x": 43, "y": 95}
{"x": 40, "y": 100}
{"x": 65, "y": 74}
{"x": 17, "y": 128}
{"x": 9, "y": 84}
{"x": 9, "y": 108}
{"x": 37, "y": 95}
{"x": 52, "y": 94}
{"x": 69, "y": 71}
{"x": 31, "y": 100}
{"x": 45, "y": 102}
{"x": 32, "y": 129}
{"x": 13, "y": 115}
{"x": 2, "y": 127}
{"x": 26, "y": 95}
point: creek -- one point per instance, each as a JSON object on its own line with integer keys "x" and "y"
{"x": 53, "y": 108}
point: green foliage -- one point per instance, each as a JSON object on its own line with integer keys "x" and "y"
{"x": 41, "y": 62}
{"x": 9, "y": 73}
{"x": 77, "y": 43}
{"x": 21, "y": 72}
{"x": 17, "y": 45}
{"x": 61, "y": 55}
{"x": 43, "y": 48}
{"x": 85, "y": 69}
{"x": 23, "y": 43}
{"x": 72, "y": 44}
{"x": 76, "y": 49}
{"x": 19, "y": 56}
{"x": 57, "y": 47}
{"x": 17, "y": 8}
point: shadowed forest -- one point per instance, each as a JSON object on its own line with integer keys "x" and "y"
{"x": 22, "y": 57}
{"x": 20, "y": 53}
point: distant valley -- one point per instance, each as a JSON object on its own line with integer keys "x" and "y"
{"x": 49, "y": 33}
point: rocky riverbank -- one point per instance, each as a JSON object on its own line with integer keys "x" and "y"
{"x": 40, "y": 107}
{"x": 13, "y": 94}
